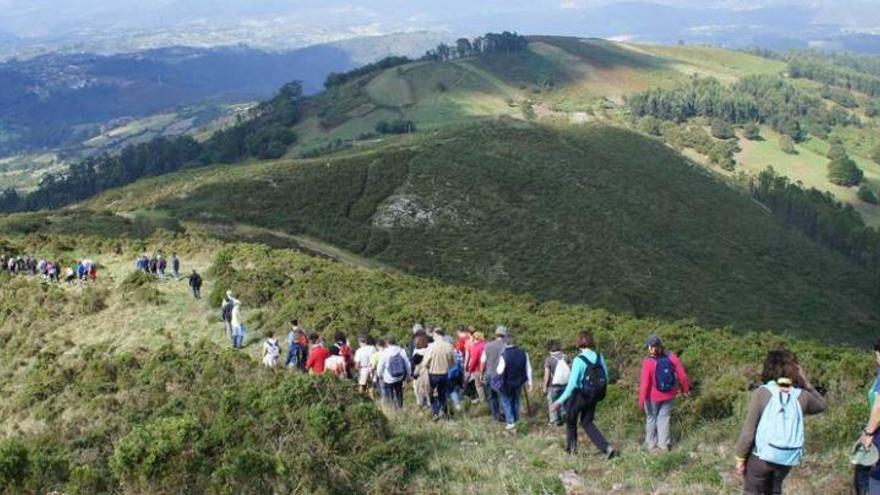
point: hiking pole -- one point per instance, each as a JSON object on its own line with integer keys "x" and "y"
{"x": 528, "y": 403}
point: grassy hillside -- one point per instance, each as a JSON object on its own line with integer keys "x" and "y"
{"x": 594, "y": 215}
{"x": 107, "y": 392}
{"x": 572, "y": 80}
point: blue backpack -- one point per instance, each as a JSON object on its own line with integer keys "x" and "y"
{"x": 456, "y": 372}
{"x": 780, "y": 435}
{"x": 664, "y": 374}
{"x": 397, "y": 367}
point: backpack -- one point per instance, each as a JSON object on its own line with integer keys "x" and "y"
{"x": 560, "y": 373}
{"x": 779, "y": 438}
{"x": 226, "y": 312}
{"x": 456, "y": 371}
{"x": 665, "y": 378}
{"x": 595, "y": 382}
{"x": 397, "y": 367}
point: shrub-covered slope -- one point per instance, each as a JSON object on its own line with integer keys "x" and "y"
{"x": 594, "y": 215}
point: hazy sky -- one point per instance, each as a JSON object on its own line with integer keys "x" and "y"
{"x": 48, "y": 18}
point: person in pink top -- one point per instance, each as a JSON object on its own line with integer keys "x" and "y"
{"x": 663, "y": 378}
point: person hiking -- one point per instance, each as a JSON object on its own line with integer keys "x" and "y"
{"x": 335, "y": 363}
{"x": 375, "y": 379}
{"x": 318, "y": 355}
{"x": 866, "y": 479}
{"x": 393, "y": 369}
{"x": 439, "y": 358}
{"x": 772, "y": 437}
{"x": 556, "y": 372}
{"x": 341, "y": 341}
{"x": 472, "y": 368}
{"x": 662, "y": 378}
{"x": 455, "y": 375}
{"x": 271, "y": 351}
{"x": 161, "y": 265}
{"x": 195, "y": 283}
{"x": 420, "y": 380}
{"x": 586, "y": 387}
{"x": 175, "y": 266}
{"x": 238, "y": 329}
{"x": 488, "y": 371}
{"x": 363, "y": 360}
{"x": 297, "y": 347}
{"x": 226, "y": 312}
{"x": 515, "y": 370}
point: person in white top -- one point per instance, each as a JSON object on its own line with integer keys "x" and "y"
{"x": 271, "y": 351}
{"x": 363, "y": 359}
{"x": 394, "y": 368}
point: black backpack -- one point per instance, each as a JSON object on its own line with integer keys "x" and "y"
{"x": 595, "y": 381}
{"x": 226, "y": 312}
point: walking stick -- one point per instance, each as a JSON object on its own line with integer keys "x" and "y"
{"x": 528, "y": 403}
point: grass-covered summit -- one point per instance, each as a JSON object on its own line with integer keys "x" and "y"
{"x": 595, "y": 215}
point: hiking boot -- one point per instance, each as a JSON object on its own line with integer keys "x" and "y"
{"x": 610, "y": 453}
{"x": 510, "y": 426}
{"x": 435, "y": 417}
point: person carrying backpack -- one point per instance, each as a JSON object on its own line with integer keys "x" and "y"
{"x": 771, "y": 441}
{"x": 226, "y": 312}
{"x": 556, "y": 372}
{"x": 175, "y": 266}
{"x": 393, "y": 370}
{"x": 271, "y": 351}
{"x": 586, "y": 387}
{"x": 455, "y": 375}
{"x": 515, "y": 371}
{"x": 662, "y": 378}
{"x": 363, "y": 360}
{"x": 238, "y": 329}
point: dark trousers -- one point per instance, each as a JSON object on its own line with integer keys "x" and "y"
{"x": 582, "y": 410}
{"x": 764, "y": 478}
{"x": 393, "y": 394}
{"x": 197, "y": 292}
{"x": 493, "y": 398}
{"x": 439, "y": 389}
{"x": 861, "y": 479}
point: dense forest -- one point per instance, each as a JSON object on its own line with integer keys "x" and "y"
{"x": 819, "y": 216}
{"x": 766, "y": 99}
{"x": 266, "y": 135}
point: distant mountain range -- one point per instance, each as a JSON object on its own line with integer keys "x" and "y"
{"x": 86, "y": 25}
{"x": 51, "y": 99}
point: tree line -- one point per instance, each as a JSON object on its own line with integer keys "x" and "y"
{"x": 265, "y": 135}
{"x": 762, "y": 99}
{"x": 819, "y": 216}
{"x": 826, "y": 73}
{"x": 504, "y": 42}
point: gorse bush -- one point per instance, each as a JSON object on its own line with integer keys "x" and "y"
{"x": 202, "y": 421}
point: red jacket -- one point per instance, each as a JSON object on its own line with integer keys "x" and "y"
{"x": 648, "y": 385}
{"x": 315, "y": 363}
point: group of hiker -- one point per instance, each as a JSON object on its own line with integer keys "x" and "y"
{"x": 446, "y": 369}
{"x": 51, "y": 271}
{"x": 157, "y": 265}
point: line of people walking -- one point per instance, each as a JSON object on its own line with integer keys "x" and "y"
{"x": 445, "y": 371}
{"x": 83, "y": 271}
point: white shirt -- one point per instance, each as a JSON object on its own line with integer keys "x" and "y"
{"x": 364, "y": 355}
{"x": 501, "y": 365}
